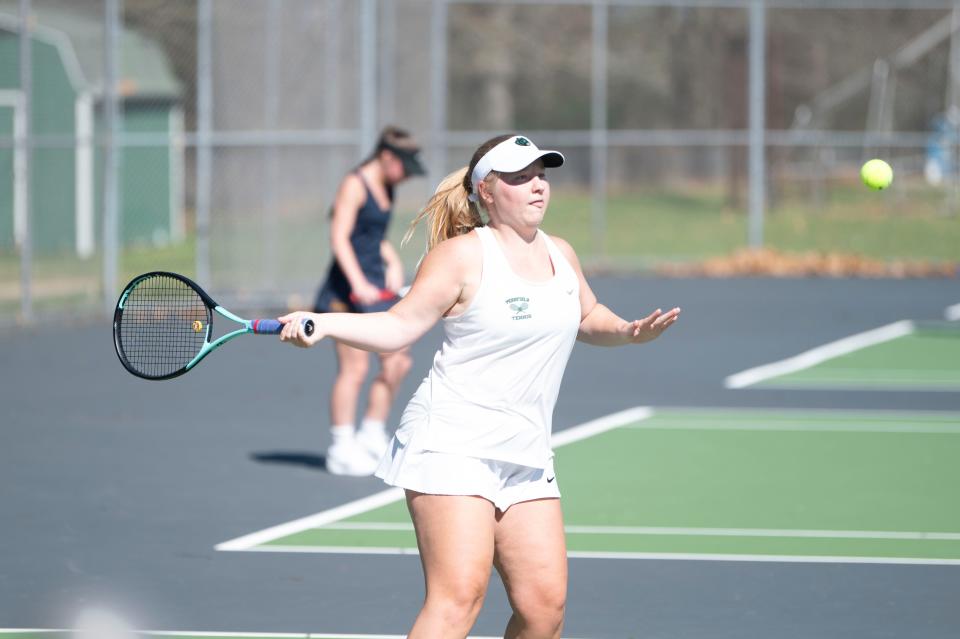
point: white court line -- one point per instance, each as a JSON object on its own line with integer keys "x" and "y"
{"x": 802, "y": 559}
{"x": 819, "y": 354}
{"x": 823, "y": 413}
{"x": 562, "y": 438}
{"x": 271, "y": 635}
{"x": 694, "y": 532}
{"x": 185, "y": 633}
{"x": 242, "y": 635}
{"x": 350, "y": 509}
{"x": 952, "y": 313}
{"x": 851, "y": 427}
{"x": 825, "y": 383}
{"x": 338, "y": 550}
{"x": 671, "y": 556}
{"x": 600, "y": 425}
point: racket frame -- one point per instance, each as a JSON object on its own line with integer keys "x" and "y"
{"x": 247, "y": 326}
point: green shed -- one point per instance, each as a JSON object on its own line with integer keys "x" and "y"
{"x": 67, "y": 117}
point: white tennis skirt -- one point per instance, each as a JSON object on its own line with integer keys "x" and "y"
{"x": 435, "y": 473}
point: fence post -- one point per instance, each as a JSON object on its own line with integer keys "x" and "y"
{"x": 368, "y": 75}
{"x": 438, "y": 90}
{"x": 598, "y": 130}
{"x": 758, "y": 175}
{"x": 204, "y": 126}
{"x": 24, "y": 142}
{"x": 952, "y": 113}
{"x": 270, "y": 219}
{"x": 111, "y": 153}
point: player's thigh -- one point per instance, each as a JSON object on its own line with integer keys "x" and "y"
{"x": 455, "y": 535}
{"x": 352, "y": 361}
{"x": 531, "y": 553}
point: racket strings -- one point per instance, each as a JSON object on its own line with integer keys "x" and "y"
{"x": 163, "y": 325}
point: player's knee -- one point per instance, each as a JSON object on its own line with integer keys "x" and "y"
{"x": 404, "y": 363}
{"x": 396, "y": 367}
{"x": 460, "y": 604}
{"x": 541, "y": 610}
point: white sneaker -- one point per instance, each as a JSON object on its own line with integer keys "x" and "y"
{"x": 348, "y": 457}
{"x": 374, "y": 441}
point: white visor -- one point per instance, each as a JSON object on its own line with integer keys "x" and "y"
{"x": 511, "y": 155}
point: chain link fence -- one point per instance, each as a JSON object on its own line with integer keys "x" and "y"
{"x": 209, "y": 136}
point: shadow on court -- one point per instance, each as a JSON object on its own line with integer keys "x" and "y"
{"x": 299, "y": 459}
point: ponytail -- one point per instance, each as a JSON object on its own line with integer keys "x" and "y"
{"x": 449, "y": 212}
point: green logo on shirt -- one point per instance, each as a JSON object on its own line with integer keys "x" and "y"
{"x": 519, "y": 305}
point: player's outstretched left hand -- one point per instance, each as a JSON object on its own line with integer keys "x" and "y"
{"x": 651, "y": 326}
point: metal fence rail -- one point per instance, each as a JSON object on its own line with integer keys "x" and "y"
{"x": 221, "y": 153}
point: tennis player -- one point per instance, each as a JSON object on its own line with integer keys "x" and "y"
{"x": 364, "y": 264}
{"x": 473, "y": 447}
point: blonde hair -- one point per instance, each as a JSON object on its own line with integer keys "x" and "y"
{"x": 449, "y": 210}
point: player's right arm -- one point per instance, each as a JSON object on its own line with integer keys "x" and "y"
{"x": 445, "y": 283}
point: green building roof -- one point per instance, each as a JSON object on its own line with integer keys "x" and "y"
{"x": 145, "y": 71}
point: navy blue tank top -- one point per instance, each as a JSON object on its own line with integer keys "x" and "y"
{"x": 368, "y": 233}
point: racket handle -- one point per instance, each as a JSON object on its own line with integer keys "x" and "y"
{"x": 385, "y": 296}
{"x": 273, "y": 327}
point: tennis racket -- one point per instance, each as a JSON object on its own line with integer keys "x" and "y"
{"x": 163, "y": 325}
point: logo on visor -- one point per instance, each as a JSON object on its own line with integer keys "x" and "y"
{"x": 522, "y": 141}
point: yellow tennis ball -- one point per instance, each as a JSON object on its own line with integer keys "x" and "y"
{"x": 197, "y": 326}
{"x": 876, "y": 174}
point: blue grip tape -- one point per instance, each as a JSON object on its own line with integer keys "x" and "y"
{"x": 273, "y": 327}
{"x": 267, "y": 327}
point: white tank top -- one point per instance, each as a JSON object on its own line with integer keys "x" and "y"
{"x": 495, "y": 380}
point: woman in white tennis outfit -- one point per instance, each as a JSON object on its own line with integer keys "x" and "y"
{"x": 473, "y": 447}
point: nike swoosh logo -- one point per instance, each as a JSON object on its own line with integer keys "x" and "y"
{"x": 570, "y": 291}
{"x": 551, "y": 479}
